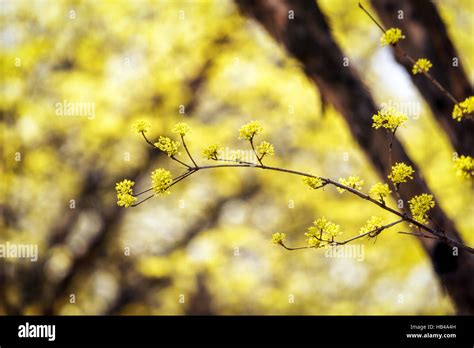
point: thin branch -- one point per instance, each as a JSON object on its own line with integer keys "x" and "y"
{"x": 148, "y": 141}
{"x": 427, "y": 74}
{"x": 296, "y": 248}
{"x": 172, "y": 157}
{"x": 255, "y": 152}
{"x": 372, "y": 234}
{"x": 187, "y": 151}
{"x": 395, "y": 186}
{"x": 179, "y": 161}
{"x": 403, "y": 216}
{"x": 412, "y": 61}
{"x": 175, "y": 181}
{"x": 360, "y": 194}
{"x": 372, "y": 18}
{"x": 418, "y": 235}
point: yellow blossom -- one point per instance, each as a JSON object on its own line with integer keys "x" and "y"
{"x": 265, "y": 149}
{"x": 464, "y": 166}
{"x": 249, "y": 130}
{"x": 372, "y": 224}
{"x": 400, "y": 173}
{"x": 168, "y": 146}
{"x": 379, "y": 190}
{"x": 160, "y": 181}
{"x": 388, "y": 118}
{"x": 422, "y": 65}
{"x": 322, "y": 231}
{"x": 125, "y": 196}
{"x": 463, "y": 108}
{"x": 278, "y": 238}
{"x": 419, "y": 205}
{"x": 353, "y": 182}
{"x": 314, "y": 182}
{"x": 181, "y": 129}
{"x": 141, "y": 126}
{"x": 391, "y": 36}
{"x": 211, "y": 152}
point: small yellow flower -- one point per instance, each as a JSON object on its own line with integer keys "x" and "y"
{"x": 181, "y": 129}
{"x": 168, "y": 146}
{"x": 278, "y": 238}
{"x": 391, "y": 37}
{"x": 457, "y": 113}
{"x": 374, "y": 223}
{"x": 400, "y": 173}
{"x": 265, "y": 149}
{"x": 314, "y": 183}
{"x": 125, "y": 196}
{"x": 422, "y": 65}
{"x": 379, "y": 190}
{"x": 353, "y": 182}
{"x": 141, "y": 126}
{"x": 464, "y": 166}
{"x": 211, "y": 152}
{"x": 389, "y": 119}
{"x": 463, "y": 108}
{"x": 322, "y": 231}
{"x": 160, "y": 181}
{"x": 419, "y": 205}
{"x": 249, "y": 130}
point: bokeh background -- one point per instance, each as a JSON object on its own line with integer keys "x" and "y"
{"x": 205, "y": 248}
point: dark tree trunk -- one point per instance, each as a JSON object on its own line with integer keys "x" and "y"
{"x": 307, "y": 37}
{"x": 426, "y": 37}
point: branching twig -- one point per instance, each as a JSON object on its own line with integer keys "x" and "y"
{"x": 172, "y": 157}
{"x": 403, "y": 216}
{"x": 372, "y": 234}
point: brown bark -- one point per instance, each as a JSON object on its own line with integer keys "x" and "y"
{"x": 307, "y": 37}
{"x": 426, "y": 37}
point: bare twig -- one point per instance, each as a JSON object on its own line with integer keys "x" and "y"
{"x": 187, "y": 151}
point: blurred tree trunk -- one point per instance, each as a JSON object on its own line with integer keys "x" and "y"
{"x": 426, "y": 37}
{"x": 308, "y": 38}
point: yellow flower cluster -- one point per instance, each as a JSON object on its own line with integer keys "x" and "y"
{"x": 391, "y": 37}
{"x": 249, "y": 130}
{"x": 463, "y": 108}
{"x": 211, "y": 152}
{"x": 353, "y": 182}
{"x": 464, "y": 166}
{"x": 419, "y": 205}
{"x": 322, "y": 231}
{"x": 278, "y": 238}
{"x": 181, "y": 129}
{"x": 314, "y": 183}
{"x": 160, "y": 181}
{"x": 379, "y": 190}
{"x": 125, "y": 196}
{"x": 265, "y": 149}
{"x": 422, "y": 65}
{"x": 141, "y": 126}
{"x": 389, "y": 119}
{"x": 400, "y": 173}
{"x": 168, "y": 146}
{"x": 372, "y": 224}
